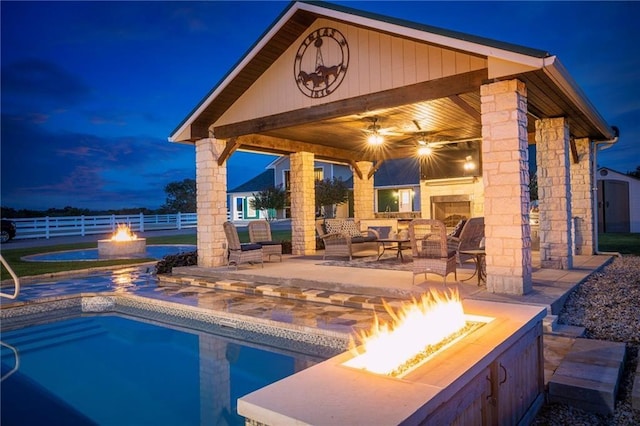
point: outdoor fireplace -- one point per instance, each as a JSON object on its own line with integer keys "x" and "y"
{"x": 123, "y": 243}
{"x": 450, "y": 208}
{"x": 493, "y": 375}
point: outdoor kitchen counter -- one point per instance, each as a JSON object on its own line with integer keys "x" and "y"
{"x": 494, "y": 375}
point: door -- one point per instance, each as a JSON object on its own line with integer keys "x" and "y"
{"x": 613, "y": 206}
{"x": 238, "y": 213}
{"x": 404, "y": 200}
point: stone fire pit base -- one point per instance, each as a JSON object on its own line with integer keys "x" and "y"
{"x": 110, "y": 248}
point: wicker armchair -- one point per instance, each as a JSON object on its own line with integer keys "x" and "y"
{"x": 343, "y": 238}
{"x": 240, "y": 253}
{"x": 429, "y": 248}
{"x": 469, "y": 239}
{"x": 260, "y": 233}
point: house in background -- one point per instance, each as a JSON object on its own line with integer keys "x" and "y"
{"x": 277, "y": 174}
{"x": 396, "y": 190}
{"x": 618, "y": 202}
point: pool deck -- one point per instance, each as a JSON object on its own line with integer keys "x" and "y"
{"x": 305, "y": 291}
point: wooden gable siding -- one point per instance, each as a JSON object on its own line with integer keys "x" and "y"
{"x": 377, "y": 62}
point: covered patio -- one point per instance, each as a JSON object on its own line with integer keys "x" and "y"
{"x": 407, "y": 87}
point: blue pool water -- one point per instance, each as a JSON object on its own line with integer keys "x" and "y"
{"x": 113, "y": 370}
{"x": 153, "y": 251}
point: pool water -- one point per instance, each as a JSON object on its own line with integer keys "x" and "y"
{"x": 153, "y": 251}
{"x": 113, "y": 370}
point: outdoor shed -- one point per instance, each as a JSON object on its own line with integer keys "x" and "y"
{"x": 618, "y": 201}
{"x": 333, "y": 83}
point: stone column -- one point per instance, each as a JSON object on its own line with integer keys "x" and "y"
{"x": 582, "y": 198}
{"x": 363, "y": 203}
{"x": 552, "y": 143}
{"x": 505, "y": 172}
{"x": 211, "y": 184}
{"x": 303, "y": 203}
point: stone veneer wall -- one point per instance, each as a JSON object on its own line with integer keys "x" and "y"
{"x": 552, "y": 140}
{"x": 475, "y": 191}
{"x": 211, "y": 184}
{"x": 505, "y": 172}
{"x": 582, "y": 198}
{"x": 363, "y": 192}
{"x": 303, "y": 204}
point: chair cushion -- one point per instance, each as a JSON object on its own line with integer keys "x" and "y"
{"x": 333, "y": 226}
{"x": 248, "y": 247}
{"x": 370, "y": 238}
{"x": 268, "y": 243}
{"x": 458, "y": 229}
{"x": 350, "y": 228}
{"x": 383, "y": 231}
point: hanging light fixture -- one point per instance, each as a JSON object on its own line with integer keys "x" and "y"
{"x": 424, "y": 149}
{"x": 374, "y": 138}
{"x": 469, "y": 165}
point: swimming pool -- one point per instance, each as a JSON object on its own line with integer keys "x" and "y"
{"x": 153, "y": 251}
{"x": 115, "y": 370}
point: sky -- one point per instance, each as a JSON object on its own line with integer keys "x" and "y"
{"x": 90, "y": 91}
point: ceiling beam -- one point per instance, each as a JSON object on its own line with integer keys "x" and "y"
{"x": 231, "y": 146}
{"x": 375, "y": 168}
{"x": 419, "y": 92}
{"x": 286, "y": 146}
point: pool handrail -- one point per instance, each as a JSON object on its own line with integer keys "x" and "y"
{"x": 16, "y": 366}
{"x": 16, "y": 280}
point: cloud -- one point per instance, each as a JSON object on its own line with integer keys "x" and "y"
{"x": 40, "y": 166}
{"x": 47, "y": 82}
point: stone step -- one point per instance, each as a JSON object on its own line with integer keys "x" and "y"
{"x": 550, "y": 326}
{"x": 588, "y": 376}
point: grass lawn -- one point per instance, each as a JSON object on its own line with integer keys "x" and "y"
{"x": 621, "y": 243}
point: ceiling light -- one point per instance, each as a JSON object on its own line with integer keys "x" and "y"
{"x": 375, "y": 138}
{"x": 469, "y": 164}
{"x": 424, "y": 149}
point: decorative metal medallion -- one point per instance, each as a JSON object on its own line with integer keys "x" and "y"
{"x": 321, "y": 62}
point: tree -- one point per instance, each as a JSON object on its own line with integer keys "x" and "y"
{"x": 181, "y": 196}
{"x": 330, "y": 192}
{"x": 635, "y": 173}
{"x": 268, "y": 201}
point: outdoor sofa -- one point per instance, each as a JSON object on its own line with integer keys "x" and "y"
{"x": 343, "y": 237}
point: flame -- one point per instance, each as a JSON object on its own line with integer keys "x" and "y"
{"x": 414, "y": 327}
{"x": 124, "y": 234}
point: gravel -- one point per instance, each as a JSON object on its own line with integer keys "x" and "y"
{"x": 608, "y": 306}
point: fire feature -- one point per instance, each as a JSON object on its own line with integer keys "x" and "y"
{"x": 417, "y": 331}
{"x": 123, "y": 243}
{"x": 494, "y": 375}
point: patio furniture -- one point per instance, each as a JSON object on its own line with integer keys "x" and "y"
{"x": 238, "y": 252}
{"x": 479, "y": 256}
{"x": 469, "y": 239}
{"x": 342, "y": 237}
{"x": 397, "y": 243}
{"x": 429, "y": 248}
{"x": 260, "y": 233}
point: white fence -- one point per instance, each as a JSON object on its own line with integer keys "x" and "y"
{"x": 47, "y": 227}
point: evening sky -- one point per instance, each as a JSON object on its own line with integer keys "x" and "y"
{"x": 91, "y": 90}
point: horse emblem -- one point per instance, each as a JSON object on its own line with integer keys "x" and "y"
{"x": 320, "y": 45}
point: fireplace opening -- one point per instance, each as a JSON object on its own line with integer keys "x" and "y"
{"x": 450, "y": 209}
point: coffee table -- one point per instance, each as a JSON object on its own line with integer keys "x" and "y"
{"x": 397, "y": 244}
{"x": 481, "y": 268}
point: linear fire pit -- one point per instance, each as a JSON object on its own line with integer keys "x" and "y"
{"x": 494, "y": 375}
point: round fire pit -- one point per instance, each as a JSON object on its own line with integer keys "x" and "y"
{"x": 113, "y": 248}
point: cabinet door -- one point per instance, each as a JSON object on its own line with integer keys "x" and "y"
{"x": 471, "y": 406}
{"x": 519, "y": 375}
